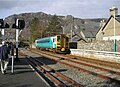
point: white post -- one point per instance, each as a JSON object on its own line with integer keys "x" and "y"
{"x": 12, "y": 68}
{"x": 3, "y": 35}
{"x": 62, "y": 29}
{"x": 71, "y": 34}
{"x": 17, "y": 34}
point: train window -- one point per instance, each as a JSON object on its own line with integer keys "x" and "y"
{"x": 67, "y": 39}
{"x": 58, "y": 38}
{"x": 44, "y": 41}
{"x": 54, "y": 39}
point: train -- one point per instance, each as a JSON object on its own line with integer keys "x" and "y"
{"x": 58, "y": 43}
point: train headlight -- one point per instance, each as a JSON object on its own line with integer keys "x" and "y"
{"x": 63, "y": 49}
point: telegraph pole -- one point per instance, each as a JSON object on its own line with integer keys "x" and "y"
{"x": 72, "y": 27}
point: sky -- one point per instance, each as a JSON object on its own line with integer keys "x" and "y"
{"x": 77, "y": 8}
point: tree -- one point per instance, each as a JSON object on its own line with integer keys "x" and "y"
{"x": 54, "y": 26}
{"x": 37, "y": 29}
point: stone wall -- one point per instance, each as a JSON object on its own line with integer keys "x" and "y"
{"x": 99, "y": 45}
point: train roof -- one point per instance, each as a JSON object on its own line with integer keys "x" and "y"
{"x": 45, "y": 38}
{"x": 48, "y": 37}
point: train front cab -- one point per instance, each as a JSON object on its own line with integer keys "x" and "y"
{"x": 62, "y": 44}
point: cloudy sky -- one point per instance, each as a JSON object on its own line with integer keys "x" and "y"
{"x": 76, "y": 8}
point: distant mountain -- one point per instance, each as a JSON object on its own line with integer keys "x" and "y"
{"x": 68, "y": 22}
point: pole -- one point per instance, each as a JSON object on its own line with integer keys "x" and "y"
{"x": 72, "y": 27}
{"x": 12, "y": 68}
{"x": 71, "y": 35}
{"x": 114, "y": 34}
{"x": 3, "y": 35}
{"x": 17, "y": 34}
{"x": 63, "y": 29}
{"x": 12, "y": 56}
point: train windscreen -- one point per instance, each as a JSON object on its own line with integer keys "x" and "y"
{"x": 58, "y": 40}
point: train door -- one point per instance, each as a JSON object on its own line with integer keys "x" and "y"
{"x": 63, "y": 42}
{"x": 67, "y": 42}
{"x": 58, "y": 43}
{"x": 54, "y": 42}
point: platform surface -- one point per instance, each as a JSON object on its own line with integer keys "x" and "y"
{"x": 23, "y": 76}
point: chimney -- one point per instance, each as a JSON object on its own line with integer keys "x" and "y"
{"x": 113, "y": 10}
{"x": 102, "y": 23}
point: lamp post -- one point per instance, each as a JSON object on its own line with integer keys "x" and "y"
{"x": 114, "y": 34}
{"x": 72, "y": 27}
{"x": 63, "y": 30}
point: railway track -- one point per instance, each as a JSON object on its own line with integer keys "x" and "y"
{"x": 112, "y": 76}
{"x": 59, "y": 79}
{"x": 95, "y": 61}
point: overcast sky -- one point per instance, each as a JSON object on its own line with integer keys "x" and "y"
{"x": 76, "y": 8}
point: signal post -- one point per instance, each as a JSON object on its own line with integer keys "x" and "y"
{"x": 18, "y": 25}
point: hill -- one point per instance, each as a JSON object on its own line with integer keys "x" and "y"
{"x": 68, "y": 22}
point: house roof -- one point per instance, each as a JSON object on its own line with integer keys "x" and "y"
{"x": 77, "y": 36}
{"x": 90, "y": 34}
{"x": 117, "y": 18}
{"x": 89, "y": 28}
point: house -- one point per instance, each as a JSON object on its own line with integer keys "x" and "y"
{"x": 111, "y": 29}
{"x": 81, "y": 29}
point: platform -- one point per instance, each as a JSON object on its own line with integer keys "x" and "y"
{"x": 24, "y": 76}
{"x": 100, "y": 55}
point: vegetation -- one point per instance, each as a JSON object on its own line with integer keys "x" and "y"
{"x": 65, "y": 21}
{"x": 54, "y": 26}
{"x": 39, "y": 30}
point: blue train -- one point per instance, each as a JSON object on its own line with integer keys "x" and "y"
{"x": 58, "y": 43}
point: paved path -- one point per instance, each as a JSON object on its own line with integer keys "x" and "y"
{"x": 23, "y": 76}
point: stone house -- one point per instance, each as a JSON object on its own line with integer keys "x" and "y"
{"x": 87, "y": 34}
{"x": 111, "y": 29}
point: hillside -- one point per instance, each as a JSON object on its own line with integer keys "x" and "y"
{"x": 90, "y": 25}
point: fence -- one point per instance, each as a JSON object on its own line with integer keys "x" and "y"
{"x": 101, "y": 55}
